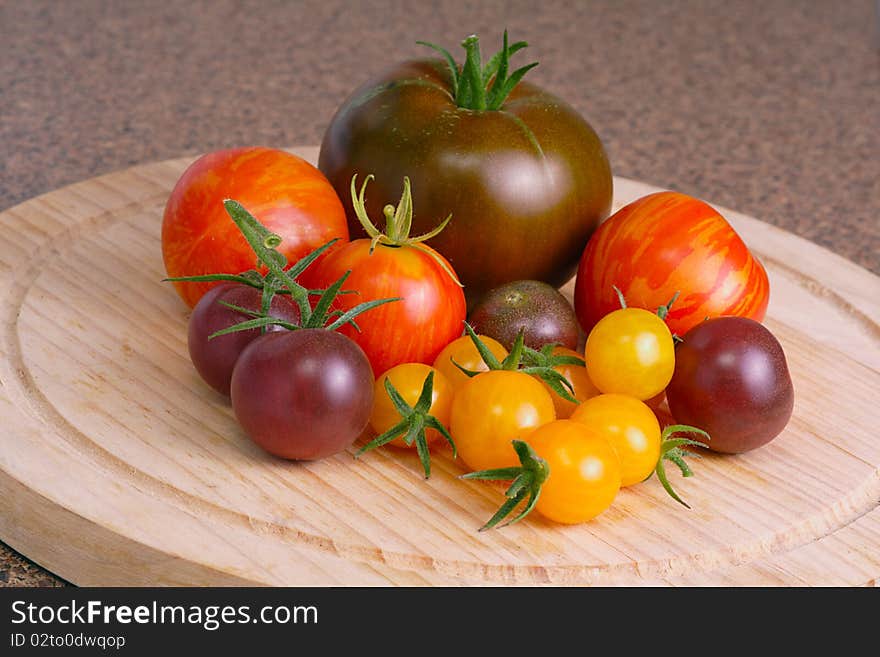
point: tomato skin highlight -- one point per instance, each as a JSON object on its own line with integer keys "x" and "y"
{"x": 491, "y": 410}
{"x": 663, "y": 243}
{"x": 630, "y": 351}
{"x": 428, "y": 316}
{"x": 303, "y": 394}
{"x": 288, "y": 195}
{"x": 408, "y": 379}
{"x": 584, "y": 471}
{"x": 632, "y": 429}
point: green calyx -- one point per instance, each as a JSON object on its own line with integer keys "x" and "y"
{"x": 673, "y": 449}
{"x": 528, "y": 477}
{"x": 479, "y": 87}
{"x": 528, "y": 361}
{"x": 414, "y": 420}
{"x": 398, "y": 224}
{"x": 662, "y": 311}
{"x": 281, "y": 279}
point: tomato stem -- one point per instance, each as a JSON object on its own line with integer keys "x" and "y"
{"x": 477, "y": 87}
{"x": 413, "y": 423}
{"x": 528, "y": 478}
{"x": 398, "y": 224}
{"x": 673, "y": 449}
{"x": 281, "y": 279}
{"x": 542, "y": 368}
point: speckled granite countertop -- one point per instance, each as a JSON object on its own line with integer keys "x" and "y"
{"x": 770, "y": 108}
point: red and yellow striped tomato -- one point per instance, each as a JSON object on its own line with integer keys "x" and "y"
{"x": 664, "y": 243}
{"x": 289, "y": 196}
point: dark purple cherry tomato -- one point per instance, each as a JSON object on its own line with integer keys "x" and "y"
{"x": 303, "y": 394}
{"x": 731, "y": 380}
{"x": 537, "y": 309}
{"x": 214, "y": 358}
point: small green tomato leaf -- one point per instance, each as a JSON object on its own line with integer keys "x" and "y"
{"x": 256, "y": 323}
{"x": 672, "y": 450}
{"x": 479, "y": 87}
{"x": 413, "y": 422}
{"x": 488, "y": 357}
{"x": 321, "y": 311}
{"x": 450, "y": 62}
{"x": 514, "y": 358}
{"x": 527, "y": 481}
{"x": 210, "y": 278}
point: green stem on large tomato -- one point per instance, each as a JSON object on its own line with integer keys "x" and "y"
{"x": 479, "y": 87}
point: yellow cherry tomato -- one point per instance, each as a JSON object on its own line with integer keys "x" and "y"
{"x": 577, "y": 376}
{"x": 630, "y": 426}
{"x": 584, "y": 469}
{"x": 408, "y": 379}
{"x": 631, "y": 352}
{"x": 491, "y": 410}
{"x": 463, "y": 351}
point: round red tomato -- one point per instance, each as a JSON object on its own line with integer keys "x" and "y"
{"x": 288, "y": 195}
{"x": 429, "y": 314}
{"x": 665, "y": 243}
{"x": 430, "y": 309}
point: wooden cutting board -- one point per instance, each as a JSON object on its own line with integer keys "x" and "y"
{"x": 118, "y": 466}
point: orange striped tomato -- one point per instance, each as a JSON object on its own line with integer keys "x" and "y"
{"x": 429, "y": 315}
{"x": 288, "y": 195}
{"x": 665, "y": 243}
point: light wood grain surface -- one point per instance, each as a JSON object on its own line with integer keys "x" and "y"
{"x": 119, "y": 466}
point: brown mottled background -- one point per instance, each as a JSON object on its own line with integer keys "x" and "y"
{"x": 771, "y": 107}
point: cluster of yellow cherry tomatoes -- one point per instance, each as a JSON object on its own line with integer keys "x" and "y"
{"x": 567, "y": 451}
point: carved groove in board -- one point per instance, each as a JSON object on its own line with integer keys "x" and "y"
{"x": 817, "y": 288}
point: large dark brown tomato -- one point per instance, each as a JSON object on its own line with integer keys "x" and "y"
{"x": 731, "y": 379}
{"x": 214, "y": 358}
{"x": 303, "y": 394}
{"x": 526, "y": 185}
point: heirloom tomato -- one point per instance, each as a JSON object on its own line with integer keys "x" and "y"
{"x": 537, "y": 309}
{"x": 431, "y": 305}
{"x": 303, "y": 394}
{"x": 731, "y": 379}
{"x": 411, "y": 409}
{"x": 494, "y": 408}
{"x": 667, "y": 243}
{"x": 568, "y": 473}
{"x": 215, "y": 357}
{"x": 631, "y": 426}
{"x": 292, "y": 198}
{"x": 584, "y": 471}
{"x": 630, "y": 351}
{"x": 408, "y": 380}
{"x": 523, "y": 174}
